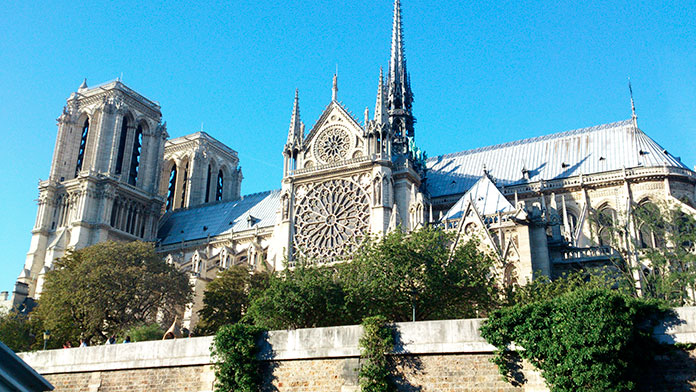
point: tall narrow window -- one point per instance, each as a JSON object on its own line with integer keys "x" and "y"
{"x": 220, "y": 183}
{"x": 135, "y": 157}
{"x": 183, "y": 186}
{"x": 121, "y": 145}
{"x": 172, "y": 188}
{"x": 207, "y": 184}
{"x": 83, "y": 145}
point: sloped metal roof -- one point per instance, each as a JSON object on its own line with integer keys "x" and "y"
{"x": 485, "y": 197}
{"x": 220, "y": 218}
{"x": 587, "y": 150}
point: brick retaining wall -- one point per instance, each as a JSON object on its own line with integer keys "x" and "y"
{"x": 444, "y": 355}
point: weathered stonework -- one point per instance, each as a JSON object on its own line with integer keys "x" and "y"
{"x": 438, "y": 356}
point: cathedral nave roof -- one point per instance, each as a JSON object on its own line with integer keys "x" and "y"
{"x": 255, "y": 210}
{"x": 590, "y": 150}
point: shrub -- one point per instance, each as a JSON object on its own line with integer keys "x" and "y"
{"x": 588, "y": 339}
{"x": 236, "y": 367}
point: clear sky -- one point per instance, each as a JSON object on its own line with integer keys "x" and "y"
{"x": 482, "y": 72}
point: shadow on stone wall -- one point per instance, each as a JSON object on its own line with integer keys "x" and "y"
{"x": 403, "y": 364}
{"x": 267, "y": 366}
{"x": 674, "y": 366}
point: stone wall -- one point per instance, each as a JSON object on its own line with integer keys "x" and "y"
{"x": 447, "y": 355}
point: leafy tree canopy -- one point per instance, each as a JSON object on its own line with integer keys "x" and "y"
{"x": 17, "y": 331}
{"x": 303, "y": 297}
{"x": 399, "y": 272}
{"x": 103, "y": 289}
{"x": 389, "y": 276}
{"x": 226, "y": 298}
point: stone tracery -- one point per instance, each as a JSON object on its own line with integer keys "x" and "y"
{"x": 332, "y": 145}
{"x": 331, "y": 220}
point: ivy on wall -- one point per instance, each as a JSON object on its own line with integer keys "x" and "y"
{"x": 236, "y": 367}
{"x": 376, "y": 342}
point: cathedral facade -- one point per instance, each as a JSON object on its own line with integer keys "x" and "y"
{"x": 116, "y": 176}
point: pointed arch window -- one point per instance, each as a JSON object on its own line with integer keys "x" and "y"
{"x": 121, "y": 145}
{"x": 207, "y": 184}
{"x": 606, "y": 221}
{"x": 172, "y": 188}
{"x": 83, "y": 146}
{"x": 220, "y": 184}
{"x": 183, "y": 186}
{"x": 135, "y": 156}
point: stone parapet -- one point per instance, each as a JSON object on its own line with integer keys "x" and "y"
{"x": 444, "y": 355}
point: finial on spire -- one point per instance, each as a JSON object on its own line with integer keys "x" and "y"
{"x": 367, "y": 115}
{"x": 380, "y": 105}
{"x": 83, "y": 85}
{"x": 633, "y": 106}
{"x": 295, "y": 132}
{"x": 334, "y": 90}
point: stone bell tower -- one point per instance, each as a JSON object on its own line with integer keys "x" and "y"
{"x": 104, "y": 177}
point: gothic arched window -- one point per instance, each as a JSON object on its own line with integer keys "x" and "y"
{"x": 220, "y": 183}
{"x": 172, "y": 188}
{"x": 606, "y": 221}
{"x": 207, "y": 184}
{"x": 121, "y": 145}
{"x": 184, "y": 182}
{"x": 83, "y": 146}
{"x": 135, "y": 156}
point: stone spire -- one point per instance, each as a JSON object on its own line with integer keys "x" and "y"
{"x": 633, "y": 106}
{"x": 83, "y": 85}
{"x": 399, "y": 95}
{"x": 334, "y": 89}
{"x": 295, "y": 132}
{"x": 381, "y": 104}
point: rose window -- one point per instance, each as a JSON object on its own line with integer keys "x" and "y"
{"x": 331, "y": 221}
{"x": 332, "y": 145}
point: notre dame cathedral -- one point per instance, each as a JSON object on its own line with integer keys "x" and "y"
{"x": 115, "y": 175}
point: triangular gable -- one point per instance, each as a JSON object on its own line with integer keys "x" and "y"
{"x": 486, "y": 198}
{"x": 333, "y": 108}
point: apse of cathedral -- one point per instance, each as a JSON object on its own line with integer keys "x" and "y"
{"x": 115, "y": 175}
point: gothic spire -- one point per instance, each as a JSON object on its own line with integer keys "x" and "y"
{"x": 633, "y": 106}
{"x": 400, "y": 95}
{"x": 334, "y": 89}
{"x": 295, "y": 132}
{"x": 380, "y": 105}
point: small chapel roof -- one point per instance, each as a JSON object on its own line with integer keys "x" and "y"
{"x": 590, "y": 150}
{"x": 251, "y": 211}
{"x": 486, "y": 198}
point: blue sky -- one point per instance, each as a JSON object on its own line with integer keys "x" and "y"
{"x": 482, "y": 73}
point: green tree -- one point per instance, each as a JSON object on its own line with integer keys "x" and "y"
{"x": 144, "y": 332}
{"x": 17, "y": 331}
{"x": 227, "y": 297}
{"x": 303, "y": 297}
{"x": 109, "y": 287}
{"x": 543, "y": 288}
{"x": 659, "y": 261}
{"x": 583, "y": 340}
{"x": 400, "y": 273}
{"x": 665, "y": 245}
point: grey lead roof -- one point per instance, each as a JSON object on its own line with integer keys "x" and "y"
{"x": 588, "y": 150}
{"x": 485, "y": 197}
{"x": 220, "y": 218}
